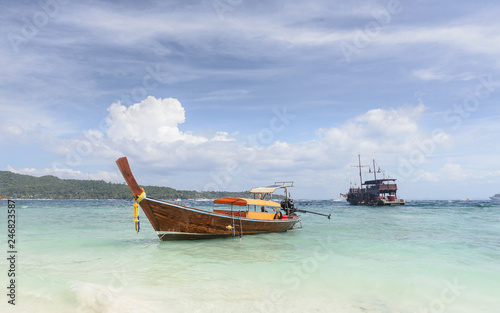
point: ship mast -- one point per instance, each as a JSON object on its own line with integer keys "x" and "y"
{"x": 360, "y": 176}
{"x": 360, "y": 166}
{"x": 374, "y": 170}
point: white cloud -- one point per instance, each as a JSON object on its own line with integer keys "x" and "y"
{"x": 388, "y": 134}
{"x": 133, "y": 131}
{"x": 467, "y": 37}
{"x": 436, "y": 74}
{"x": 429, "y": 74}
{"x": 25, "y": 122}
{"x": 453, "y": 173}
{"x": 151, "y": 120}
{"x": 279, "y": 27}
{"x": 222, "y": 136}
{"x": 61, "y": 173}
{"x": 377, "y": 131}
{"x": 66, "y": 173}
{"x": 149, "y": 133}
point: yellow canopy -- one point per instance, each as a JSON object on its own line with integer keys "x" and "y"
{"x": 246, "y": 201}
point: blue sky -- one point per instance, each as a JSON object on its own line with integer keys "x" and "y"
{"x": 229, "y": 95}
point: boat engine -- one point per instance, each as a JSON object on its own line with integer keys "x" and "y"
{"x": 288, "y": 206}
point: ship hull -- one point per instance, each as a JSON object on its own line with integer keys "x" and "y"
{"x": 379, "y": 203}
{"x": 372, "y": 199}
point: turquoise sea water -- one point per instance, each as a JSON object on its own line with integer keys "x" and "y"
{"x": 426, "y": 256}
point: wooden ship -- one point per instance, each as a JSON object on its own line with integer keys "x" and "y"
{"x": 173, "y": 221}
{"x": 373, "y": 192}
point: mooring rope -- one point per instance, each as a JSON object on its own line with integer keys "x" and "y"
{"x": 141, "y": 197}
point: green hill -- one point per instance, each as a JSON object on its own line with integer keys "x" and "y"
{"x": 17, "y": 186}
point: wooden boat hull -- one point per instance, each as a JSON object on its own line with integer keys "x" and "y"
{"x": 172, "y": 221}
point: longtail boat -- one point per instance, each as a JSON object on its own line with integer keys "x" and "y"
{"x": 173, "y": 221}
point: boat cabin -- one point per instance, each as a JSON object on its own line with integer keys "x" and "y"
{"x": 250, "y": 208}
{"x": 382, "y": 187}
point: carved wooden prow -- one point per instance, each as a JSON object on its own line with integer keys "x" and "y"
{"x": 129, "y": 177}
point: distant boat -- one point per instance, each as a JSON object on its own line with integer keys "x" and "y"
{"x": 496, "y": 198}
{"x": 373, "y": 192}
{"x": 337, "y": 200}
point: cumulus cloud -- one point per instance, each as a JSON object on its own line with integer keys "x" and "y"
{"x": 151, "y": 120}
{"x": 376, "y": 131}
{"x": 222, "y": 136}
{"x": 153, "y": 126}
{"x": 390, "y": 134}
{"x": 149, "y": 133}
{"x": 452, "y": 172}
{"x": 387, "y": 135}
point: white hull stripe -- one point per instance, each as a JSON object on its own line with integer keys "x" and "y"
{"x": 193, "y": 234}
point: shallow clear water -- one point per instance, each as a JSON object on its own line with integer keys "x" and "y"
{"x": 426, "y": 256}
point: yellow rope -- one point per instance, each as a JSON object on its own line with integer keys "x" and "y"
{"x": 141, "y": 197}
